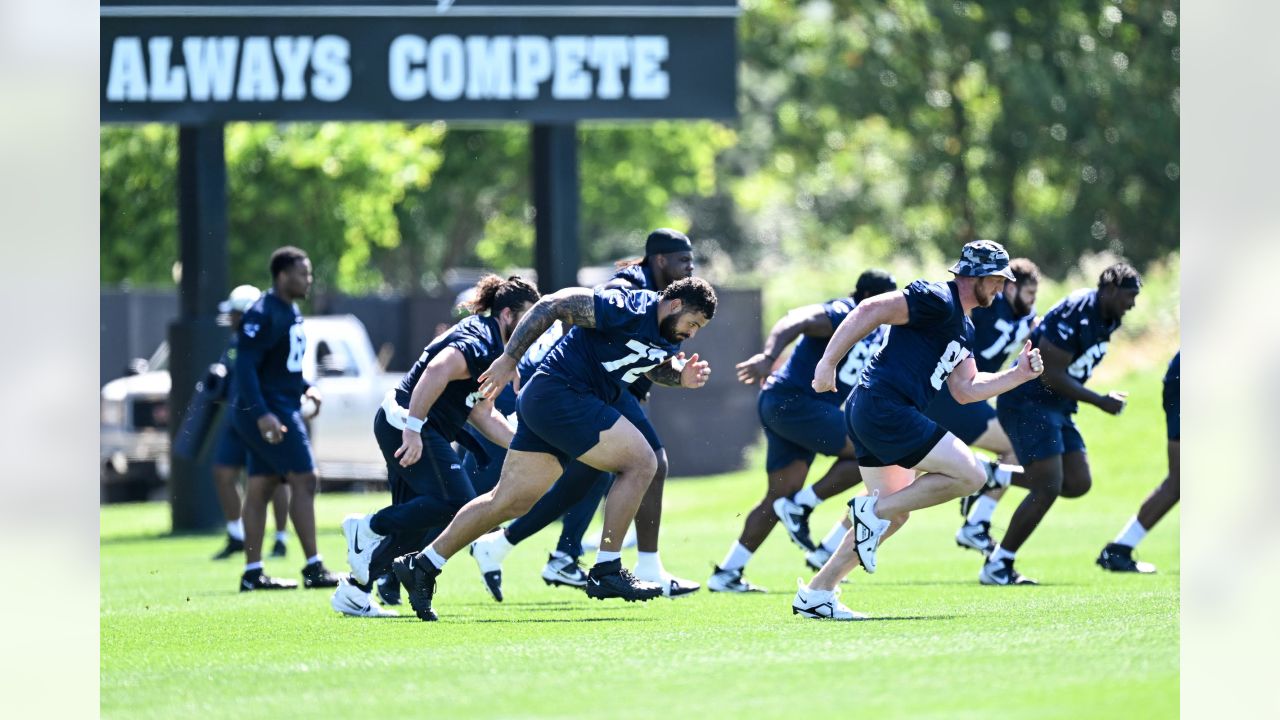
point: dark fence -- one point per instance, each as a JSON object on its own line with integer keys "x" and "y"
{"x": 705, "y": 431}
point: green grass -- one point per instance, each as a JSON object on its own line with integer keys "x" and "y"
{"x": 177, "y": 641}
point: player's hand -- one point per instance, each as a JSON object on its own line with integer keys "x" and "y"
{"x": 314, "y": 395}
{"x": 500, "y": 372}
{"x": 1114, "y": 402}
{"x": 694, "y": 372}
{"x": 824, "y": 376}
{"x": 754, "y": 369}
{"x": 271, "y": 430}
{"x": 410, "y": 450}
{"x": 1030, "y": 362}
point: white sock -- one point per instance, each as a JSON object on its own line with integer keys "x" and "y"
{"x": 282, "y": 535}
{"x": 436, "y": 558}
{"x": 737, "y": 558}
{"x": 253, "y": 566}
{"x": 315, "y": 558}
{"x": 808, "y": 498}
{"x": 832, "y": 541}
{"x": 235, "y": 529}
{"x": 504, "y": 545}
{"x": 1004, "y": 475}
{"x": 983, "y": 509}
{"x": 1001, "y": 554}
{"x": 604, "y": 556}
{"x": 649, "y": 564}
{"x": 1132, "y": 533}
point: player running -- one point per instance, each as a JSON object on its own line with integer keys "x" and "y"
{"x": 567, "y": 412}
{"x": 931, "y": 343}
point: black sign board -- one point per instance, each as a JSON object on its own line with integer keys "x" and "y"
{"x": 467, "y": 59}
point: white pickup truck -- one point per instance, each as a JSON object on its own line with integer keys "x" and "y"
{"x": 339, "y": 361}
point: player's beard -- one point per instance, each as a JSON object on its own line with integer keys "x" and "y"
{"x": 982, "y": 295}
{"x": 668, "y": 329}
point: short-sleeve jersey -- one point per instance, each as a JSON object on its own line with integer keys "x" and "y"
{"x": 797, "y": 372}
{"x": 917, "y": 357}
{"x": 624, "y": 344}
{"x": 269, "y": 349}
{"x": 478, "y": 339}
{"x": 1076, "y": 325}
{"x": 997, "y": 332}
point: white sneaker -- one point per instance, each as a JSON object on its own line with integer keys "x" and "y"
{"x": 868, "y": 529}
{"x": 564, "y": 570}
{"x": 731, "y": 581}
{"x": 672, "y": 586}
{"x": 361, "y": 542}
{"x": 351, "y": 600}
{"x": 489, "y": 551}
{"x": 821, "y": 604}
{"x": 817, "y": 558}
{"x": 976, "y": 536}
{"x": 628, "y": 541}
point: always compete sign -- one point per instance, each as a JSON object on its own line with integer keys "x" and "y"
{"x": 452, "y": 60}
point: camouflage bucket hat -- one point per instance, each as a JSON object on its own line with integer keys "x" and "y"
{"x": 981, "y": 258}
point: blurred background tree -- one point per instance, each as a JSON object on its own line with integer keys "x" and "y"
{"x": 894, "y": 127}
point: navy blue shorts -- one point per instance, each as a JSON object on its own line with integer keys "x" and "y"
{"x": 798, "y": 426}
{"x": 629, "y": 405}
{"x": 484, "y": 479}
{"x": 966, "y": 422}
{"x": 1038, "y": 432}
{"x": 290, "y": 455}
{"x": 887, "y": 430}
{"x": 229, "y": 450}
{"x": 1172, "y": 410}
{"x": 438, "y": 473}
{"x": 561, "y": 421}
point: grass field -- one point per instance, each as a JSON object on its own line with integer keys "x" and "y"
{"x": 178, "y": 641}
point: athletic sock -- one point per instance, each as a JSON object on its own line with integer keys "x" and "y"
{"x": 235, "y": 529}
{"x": 649, "y": 564}
{"x": 282, "y": 535}
{"x": 315, "y": 559}
{"x": 983, "y": 509}
{"x": 1004, "y": 475}
{"x": 1001, "y": 554}
{"x": 250, "y": 567}
{"x": 737, "y": 558}
{"x": 604, "y": 556}
{"x": 1132, "y": 534}
{"x": 807, "y": 497}
{"x": 433, "y": 557}
{"x": 832, "y": 541}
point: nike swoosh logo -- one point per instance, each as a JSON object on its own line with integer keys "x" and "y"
{"x": 355, "y": 540}
{"x": 593, "y": 581}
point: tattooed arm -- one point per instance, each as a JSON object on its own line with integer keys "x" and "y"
{"x": 678, "y": 372}
{"x": 572, "y": 306}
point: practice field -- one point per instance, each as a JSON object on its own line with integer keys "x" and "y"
{"x": 178, "y": 641}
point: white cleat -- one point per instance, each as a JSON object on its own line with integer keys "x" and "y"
{"x": 351, "y": 600}
{"x": 489, "y": 551}
{"x": 672, "y": 586}
{"x": 868, "y": 528}
{"x": 731, "y": 581}
{"x": 564, "y": 570}
{"x": 976, "y": 536}
{"x": 821, "y": 604}
{"x": 817, "y": 558}
{"x": 361, "y": 542}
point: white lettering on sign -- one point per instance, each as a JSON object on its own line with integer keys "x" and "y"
{"x": 524, "y": 67}
{"x": 219, "y": 69}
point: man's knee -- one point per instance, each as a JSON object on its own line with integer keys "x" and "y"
{"x": 307, "y": 482}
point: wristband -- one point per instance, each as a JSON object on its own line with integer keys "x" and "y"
{"x": 414, "y": 424}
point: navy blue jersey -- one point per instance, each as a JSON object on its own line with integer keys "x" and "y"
{"x": 624, "y": 344}
{"x": 1075, "y": 324}
{"x": 270, "y": 345}
{"x": 532, "y": 357}
{"x": 997, "y": 331}
{"x": 641, "y": 278}
{"x": 797, "y": 373}
{"x": 917, "y": 357}
{"x": 478, "y": 339}
{"x": 1173, "y": 375}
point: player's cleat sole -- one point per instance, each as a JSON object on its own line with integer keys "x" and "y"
{"x": 419, "y": 580}
{"x": 610, "y": 580}
{"x": 794, "y": 518}
{"x": 354, "y": 602}
{"x": 254, "y": 580}
{"x": 1119, "y": 558}
{"x": 489, "y": 550}
{"x": 233, "y": 547}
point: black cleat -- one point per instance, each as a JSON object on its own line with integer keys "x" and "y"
{"x": 419, "y": 578}
{"x": 258, "y": 580}
{"x": 611, "y": 580}
{"x": 316, "y": 575}
{"x": 389, "y": 589}
{"x": 795, "y": 520}
{"x": 1119, "y": 558}
{"x": 279, "y": 550}
{"x": 966, "y": 502}
{"x": 233, "y": 547}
